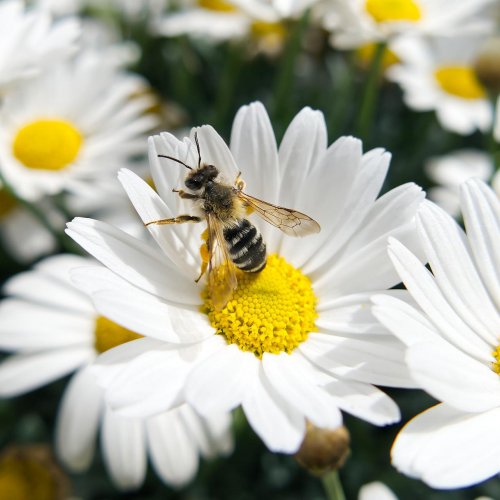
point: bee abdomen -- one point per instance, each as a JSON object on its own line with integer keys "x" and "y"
{"x": 246, "y": 247}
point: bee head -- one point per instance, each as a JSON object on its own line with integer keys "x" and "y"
{"x": 200, "y": 177}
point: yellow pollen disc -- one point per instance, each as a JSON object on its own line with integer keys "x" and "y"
{"x": 270, "y": 311}
{"x": 271, "y": 31}
{"x": 108, "y": 334}
{"x": 217, "y": 5}
{"x": 460, "y": 81}
{"x": 496, "y": 365}
{"x": 7, "y": 203}
{"x": 393, "y": 10}
{"x": 47, "y": 144}
{"x": 22, "y": 478}
{"x": 366, "y": 52}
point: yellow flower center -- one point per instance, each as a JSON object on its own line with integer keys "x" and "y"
{"x": 274, "y": 31}
{"x": 47, "y": 144}
{"x": 217, "y": 5}
{"x": 366, "y": 52}
{"x": 270, "y": 311}
{"x": 393, "y": 10}
{"x": 496, "y": 365}
{"x": 460, "y": 81}
{"x": 25, "y": 478}
{"x": 108, "y": 334}
{"x": 7, "y": 203}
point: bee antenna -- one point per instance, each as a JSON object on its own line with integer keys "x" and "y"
{"x": 197, "y": 148}
{"x": 175, "y": 159}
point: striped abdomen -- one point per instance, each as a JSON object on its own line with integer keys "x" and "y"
{"x": 245, "y": 245}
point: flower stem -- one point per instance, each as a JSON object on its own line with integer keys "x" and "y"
{"x": 333, "y": 486}
{"x": 370, "y": 89}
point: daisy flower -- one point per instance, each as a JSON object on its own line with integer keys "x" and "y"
{"x": 51, "y": 142}
{"x": 297, "y": 341}
{"x": 448, "y": 172}
{"x": 30, "y": 42}
{"x": 452, "y": 341}
{"x": 52, "y": 329}
{"x": 376, "y": 491}
{"x": 357, "y": 22}
{"x": 438, "y": 75}
{"x": 222, "y": 20}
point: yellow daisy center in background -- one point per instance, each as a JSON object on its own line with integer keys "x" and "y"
{"x": 460, "y": 81}
{"x": 25, "y": 478}
{"x": 496, "y": 365}
{"x": 270, "y": 311}
{"x": 263, "y": 29}
{"x": 7, "y": 203}
{"x": 108, "y": 334}
{"x": 217, "y": 5}
{"x": 393, "y": 10}
{"x": 366, "y": 52}
{"x": 47, "y": 144}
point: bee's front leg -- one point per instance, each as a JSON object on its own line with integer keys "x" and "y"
{"x": 180, "y": 219}
{"x": 186, "y": 196}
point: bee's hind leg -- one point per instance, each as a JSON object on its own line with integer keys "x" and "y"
{"x": 180, "y": 219}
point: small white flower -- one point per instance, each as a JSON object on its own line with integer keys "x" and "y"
{"x": 357, "y": 22}
{"x": 451, "y": 170}
{"x": 452, "y": 340}
{"x": 221, "y": 20}
{"x": 52, "y": 329}
{"x": 438, "y": 75}
{"x": 303, "y": 344}
{"x": 30, "y": 42}
{"x": 69, "y": 128}
{"x": 376, "y": 491}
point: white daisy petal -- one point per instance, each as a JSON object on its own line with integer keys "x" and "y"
{"x": 453, "y": 377}
{"x": 78, "y": 421}
{"x": 454, "y": 270}
{"x": 277, "y": 423}
{"x": 429, "y": 297}
{"x": 28, "y": 326}
{"x": 213, "y": 373}
{"x": 22, "y": 373}
{"x": 408, "y": 324}
{"x": 362, "y": 360}
{"x": 133, "y": 260}
{"x": 447, "y": 448}
{"x": 294, "y": 384}
{"x": 124, "y": 449}
{"x": 172, "y": 449}
{"x": 364, "y": 401}
{"x": 481, "y": 211}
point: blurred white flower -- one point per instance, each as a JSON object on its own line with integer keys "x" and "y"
{"x": 52, "y": 329}
{"x": 452, "y": 341}
{"x": 357, "y": 22}
{"x": 31, "y": 42}
{"x": 496, "y": 131}
{"x": 448, "y": 172}
{"x": 69, "y": 128}
{"x": 376, "y": 491}
{"x": 221, "y": 20}
{"x": 438, "y": 75}
{"x": 297, "y": 340}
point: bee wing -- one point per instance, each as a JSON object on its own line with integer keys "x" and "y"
{"x": 221, "y": 269}
{"x": 291, "y": 222}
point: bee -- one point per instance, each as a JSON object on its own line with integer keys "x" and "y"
{"x": 233, "y": 242}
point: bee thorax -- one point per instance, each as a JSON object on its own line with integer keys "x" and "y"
{"x": 246, "y": 247}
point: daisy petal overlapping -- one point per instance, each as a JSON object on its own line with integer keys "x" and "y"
{"x": 51, "y": 328}
{"x": 153, "y": 288}
{"x": 452, "y": 341}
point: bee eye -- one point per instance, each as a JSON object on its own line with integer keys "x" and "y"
{"x": 193, "y": 183}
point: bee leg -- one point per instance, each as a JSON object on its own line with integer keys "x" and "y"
{"x": 180, "y": 219}
{"x": 186, "y": 196}
{"x": 239, "y": 183}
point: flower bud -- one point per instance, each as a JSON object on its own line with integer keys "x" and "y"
{"x": 323, "y": 450}
{"x": 487, "y": 64}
